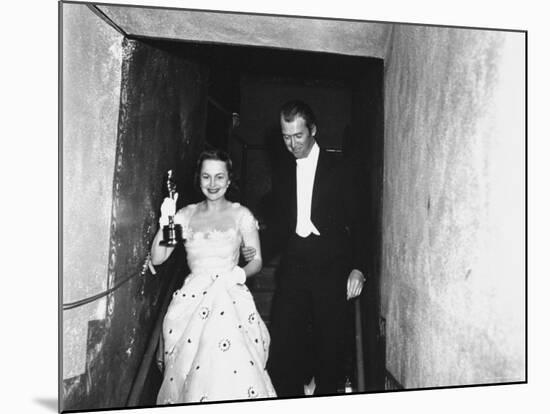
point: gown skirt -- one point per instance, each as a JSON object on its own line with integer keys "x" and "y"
{"x": 215, "y": 342}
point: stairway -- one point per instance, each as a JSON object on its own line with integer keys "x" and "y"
{"x": 262, "y": 288}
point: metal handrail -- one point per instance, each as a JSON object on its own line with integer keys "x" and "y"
{"x": 146, "y": 265}
{"x": 147, "y": 360}
{"x": 360, "y": 363}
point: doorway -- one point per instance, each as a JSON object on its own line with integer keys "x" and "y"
{"x": 246, "y": 86}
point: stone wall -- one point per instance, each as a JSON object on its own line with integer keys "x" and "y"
{"x": 91, "y": 70}
{"x": 453, "y": 262}
{"x": 132, "y": 111}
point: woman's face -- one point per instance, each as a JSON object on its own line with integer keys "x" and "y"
{"x": 214, "y": 179}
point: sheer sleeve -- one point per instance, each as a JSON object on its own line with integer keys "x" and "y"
{"x": 182, "y": 217}
{"x": 247, "y": 223}
{"x": 248, "y": 227}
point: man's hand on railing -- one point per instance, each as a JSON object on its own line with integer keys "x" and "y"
{"x": 355, "y": 284}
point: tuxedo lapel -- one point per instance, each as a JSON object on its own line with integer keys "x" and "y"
{"x": 290, "y": 191}
{"x": 293, "y": 200}
{"x": 320, "y": 172}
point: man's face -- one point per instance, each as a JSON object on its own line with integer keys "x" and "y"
{"x": 297, "y": 137}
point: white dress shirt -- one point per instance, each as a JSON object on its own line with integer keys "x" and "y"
{"x": 305, "y": 176}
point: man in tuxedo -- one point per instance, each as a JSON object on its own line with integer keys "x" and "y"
{"x": 316, "y": 218}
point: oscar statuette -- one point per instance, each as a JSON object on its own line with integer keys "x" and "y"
{"x": 172, "y": 233}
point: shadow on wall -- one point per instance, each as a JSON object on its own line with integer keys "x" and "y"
{"x": 161, "y": 124}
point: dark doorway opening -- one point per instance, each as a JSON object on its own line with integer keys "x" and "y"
{"x": 246, "y": 87}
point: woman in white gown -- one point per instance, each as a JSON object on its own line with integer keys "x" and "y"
{"x": 215, "y": 343}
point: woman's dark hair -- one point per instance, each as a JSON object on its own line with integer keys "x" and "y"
{"x": 296, "y": 108}
{"x": 216, "y": 155}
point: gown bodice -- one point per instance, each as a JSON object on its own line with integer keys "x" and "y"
{"x": 214, "y": 251}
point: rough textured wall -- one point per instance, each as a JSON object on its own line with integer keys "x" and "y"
{"x": 453, "y": 290}
{"x": 92, "y": 56}
{"x": 345, "y": 37}
{"x": 161, "y": 127}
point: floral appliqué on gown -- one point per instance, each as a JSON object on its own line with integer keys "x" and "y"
{"x": 215, "y": 343}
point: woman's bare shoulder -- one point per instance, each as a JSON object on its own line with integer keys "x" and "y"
{"x": 185, "y": 211}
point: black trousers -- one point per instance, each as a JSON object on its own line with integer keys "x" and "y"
{"x": 310, "y": 318}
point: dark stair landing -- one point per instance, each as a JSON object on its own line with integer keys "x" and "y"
{"x": 262, "y": 288}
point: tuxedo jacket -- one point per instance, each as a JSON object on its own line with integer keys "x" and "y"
{"x": 338, "y": 193}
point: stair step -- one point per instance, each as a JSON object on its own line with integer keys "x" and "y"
{"x": 267, "y": 271}
{"x": 263, "y": 281}
{"x": 263, "y": 301}
{"x": 262, "y": 287}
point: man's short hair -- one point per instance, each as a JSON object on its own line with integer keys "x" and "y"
{"x": 296, "y": 108}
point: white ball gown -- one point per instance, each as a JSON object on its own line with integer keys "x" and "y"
{"x": 215, "y": 343}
